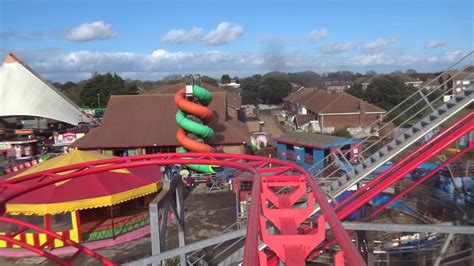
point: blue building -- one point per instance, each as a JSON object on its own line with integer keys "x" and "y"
{"x": 309, "y": 149}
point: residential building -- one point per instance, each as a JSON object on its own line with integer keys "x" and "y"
{"x": 337, "y": 85}
{"x": 233, "y": 84}
{"x": 365, "y": 82}
{"x": 328, "y": 112}
{"x": 462, "y": 80}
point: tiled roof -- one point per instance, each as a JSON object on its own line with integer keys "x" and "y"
{"x": 302, "y": 119}
{"x": 312, "y": 139}
{"x": 149, "y": 120}
{"x": 323, "y": 102}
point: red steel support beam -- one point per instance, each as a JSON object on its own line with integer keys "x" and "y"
{"x": 36, "y": 250}
{"x": 423, "y": 179}
{"x": 53, "y": 235}
{"x": 242, "y": 162}
{"x": 412, "y": 156}
{"x": 453, "y": 134}
{"x": 351, "y": 253}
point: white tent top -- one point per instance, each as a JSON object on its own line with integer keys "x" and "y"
{"x": 25, "y": 93}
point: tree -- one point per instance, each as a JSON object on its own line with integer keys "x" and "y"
{"x": 249, "y": 87}
{"x": 209, "y": 80}
{"x": 343, "y": 133}
{"x": 225, "y": 79}
{"x": 70, "y": 90}
{"x": 388, "y": 91}
{"x": 273, "y": 89}
{"x": 370, "y": 73}
{"x": 173, "y": 79}
{"x": 98, "y": 89}
{"x": 357, "y": 91}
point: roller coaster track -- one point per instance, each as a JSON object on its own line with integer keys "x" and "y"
{"x": 272, "y": 219}
{"x": 399, "y": 170}
{"x": 51, "y": 236}
{"x": 267, "y": 207}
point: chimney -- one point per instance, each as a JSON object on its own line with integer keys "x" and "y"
{"x": 362, "y": 113}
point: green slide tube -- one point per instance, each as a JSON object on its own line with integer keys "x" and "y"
{"x": 204, "y": 97}
{"x": 202, "y": 168}
{"x": 193, "y": 127}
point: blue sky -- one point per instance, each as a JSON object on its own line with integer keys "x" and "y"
{"x": 68, "y": 40}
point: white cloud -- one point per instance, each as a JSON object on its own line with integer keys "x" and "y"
{"x": 161, "y": 54}
{"x": 96, "y": 30}
{"x": 334, "y": 48}
{"x": 317, "y": 34}
{"x": 59, "y": 66}
{"x": 178, "y": 36}
{"x": 224, "y": 33}
{"x": 435, "y": 44}
{"x": 379, "y": 45}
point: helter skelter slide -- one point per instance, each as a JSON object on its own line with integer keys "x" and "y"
{"x": 193, "y": 101}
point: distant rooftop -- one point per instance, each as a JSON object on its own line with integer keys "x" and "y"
{"x": 314, "y": 140}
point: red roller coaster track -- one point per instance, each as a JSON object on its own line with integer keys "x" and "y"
{"x": 263, "y": 169}
{"x": 290, "y": 244}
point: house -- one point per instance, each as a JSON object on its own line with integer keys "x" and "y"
{"x": 337, "y": 85}
{"x": 462, "y": 80}
{"x": 145, "y": 124}
{"x": 330, "y": 111}
{"x": 233, "y": 84}
{"x": 454, "y": 82}
{"x": 432, "y": 84}
{"x": 309, "y": 150}
{"x": 365, "y": 82}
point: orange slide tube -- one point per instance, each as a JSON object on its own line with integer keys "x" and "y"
{"x": 193, "y": 108}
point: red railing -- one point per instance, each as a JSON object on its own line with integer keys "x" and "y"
{"x": 257, "y": 166}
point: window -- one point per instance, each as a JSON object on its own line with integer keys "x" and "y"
{"x": 32, "y": 219}
{"x": 308, "y": 155}
{"x": 290, "y": 155}
{"x": 290, "y": 152}
{"x": 61, "y": 222}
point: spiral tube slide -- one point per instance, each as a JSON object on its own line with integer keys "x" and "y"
{"x": 186, "y": 125}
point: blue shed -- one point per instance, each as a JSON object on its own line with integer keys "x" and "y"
{"x": 308, "y": 149}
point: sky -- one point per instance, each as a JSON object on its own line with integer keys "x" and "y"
{"x": 148, "y": 40}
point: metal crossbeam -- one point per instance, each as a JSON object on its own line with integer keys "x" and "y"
{"x": 412, "y": 228}
{"x": 188, "y": 248}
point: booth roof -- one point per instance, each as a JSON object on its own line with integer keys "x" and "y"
{"x": 89, "y": 191}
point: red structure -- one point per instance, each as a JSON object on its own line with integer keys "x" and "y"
{"x": 277, "y": 186}
{"x": 257, "y": 166}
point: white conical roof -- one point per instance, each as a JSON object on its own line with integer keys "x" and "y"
{"x": 24, "y": 93}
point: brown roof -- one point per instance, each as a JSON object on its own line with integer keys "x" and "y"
{"x": 302, "y": 119}
{"x": 233, "y": 99}
{"x": 346, "y": 103}
{"x": 313, "y": 139}
{"x": 323, "y": 102}
{"x": 149, "y": 120}
{"x": 298, "y": 95}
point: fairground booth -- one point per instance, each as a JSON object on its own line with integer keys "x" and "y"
{"x": 97, "y": 208}
{"x": 309, "y": 149}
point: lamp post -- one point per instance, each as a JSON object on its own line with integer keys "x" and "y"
{"x": 98, "y": 100}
